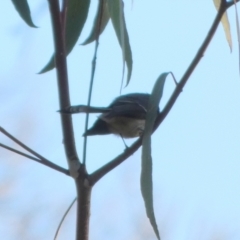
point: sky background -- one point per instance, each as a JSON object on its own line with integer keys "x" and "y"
{"x": 196, "y": 150}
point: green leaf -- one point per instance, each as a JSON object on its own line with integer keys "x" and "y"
{"x": 115, "y": 8}
{"x": 77, "y": 11}
{"x": 24, "y": 11}
{"x": 225, "y": 24}
{"x": 146, "y": 173}
{"x": 100, "y": 22}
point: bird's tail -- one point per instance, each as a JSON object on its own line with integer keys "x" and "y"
{"x": 100, "y": 127}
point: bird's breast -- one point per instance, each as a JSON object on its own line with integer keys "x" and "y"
{"x": 126, "y": 127}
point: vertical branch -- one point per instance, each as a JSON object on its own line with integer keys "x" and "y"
{"x": 77, "y": 170}
{"x": 83, "y": 208}
{"x": 101, "y": 2}
{"x": 63, "y": 88}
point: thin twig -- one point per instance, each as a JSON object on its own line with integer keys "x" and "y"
{"x": 45, "y": 162}
{"x": 20, "y": 153}
{"x": 101, "y": 2}
{"x": 98, "y": 174}
{"x": 39, "y": 158}
{"x": 6, "y": 133}
{"x": 63, "y": 218}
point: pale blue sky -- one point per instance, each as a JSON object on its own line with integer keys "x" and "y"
{"x": 196, "y": 151}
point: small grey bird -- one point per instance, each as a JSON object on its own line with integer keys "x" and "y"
{"x": 125, "y": 116}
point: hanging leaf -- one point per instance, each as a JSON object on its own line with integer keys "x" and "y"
{"x": 23, "y": 9}
{"x": 116, "y": 13}
{"x": 225, "y": 24}
{"x": 100, "y": 22}
{"x": 146, "y": 172}
{"x": 238, "y": 33}
{"x": 77, "y": 11}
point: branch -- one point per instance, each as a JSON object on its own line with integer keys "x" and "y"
{"x": 44, "y": 162}
{"x": 39, "y": 158}
{"x": 21, "y": 144}
{"x": 231, "y": 3}
{"x": 63, "y": 88}
{"x": 98, "y": 174}
{"x": 77, "y": 170}
{"x": 94, "y": 61}
{"x": 63, "y": 218}
{"x": 83, "y": 205}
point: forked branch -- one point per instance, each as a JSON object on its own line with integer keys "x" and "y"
{"x": 39, "y": 159}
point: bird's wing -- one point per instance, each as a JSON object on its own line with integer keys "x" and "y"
{"x": 126, "y": 109}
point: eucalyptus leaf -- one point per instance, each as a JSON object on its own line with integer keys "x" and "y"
{"x": 146, "y": 171}
{"x": 23, "y": 9}
{"x": 77, "y": 12}
{"x": 225, "y": 24}
{"x": 100, "y": 22}
{"x": 116, "y": 13}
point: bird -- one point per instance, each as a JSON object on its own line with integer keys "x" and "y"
{"x": 125, "y": 116}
